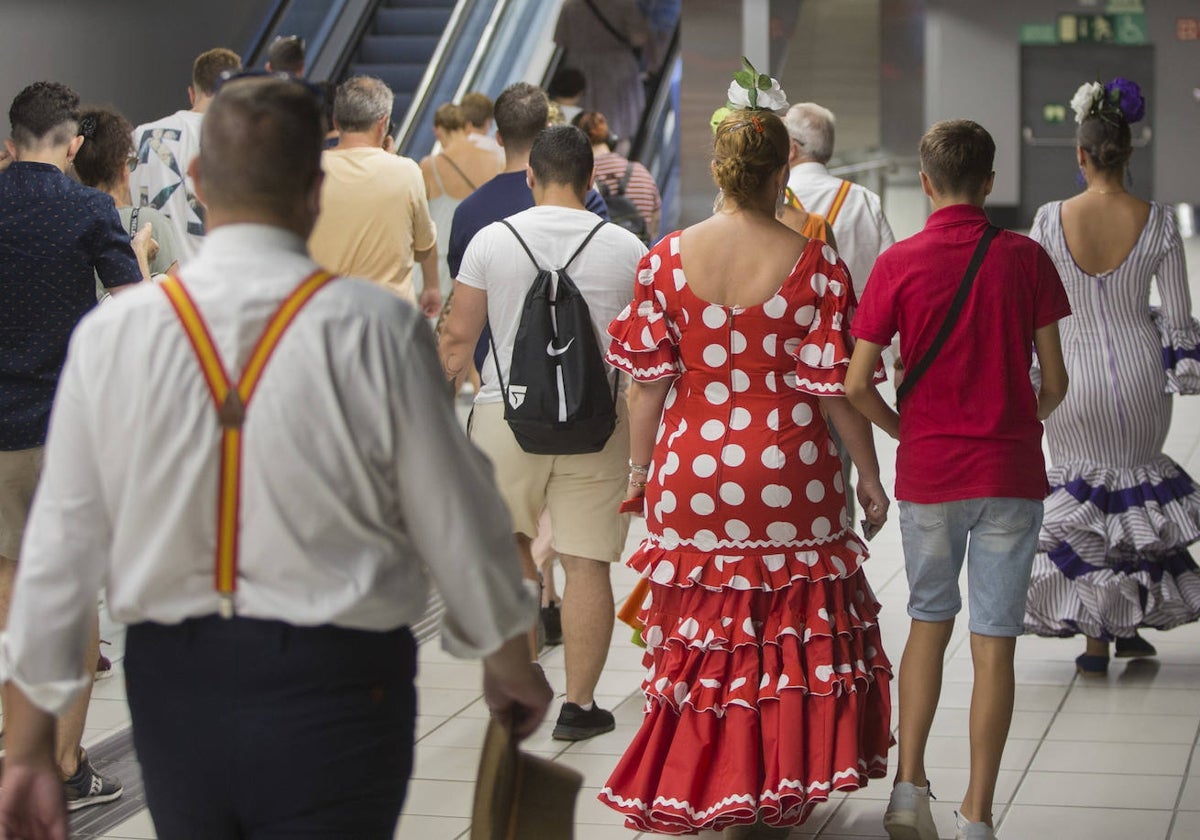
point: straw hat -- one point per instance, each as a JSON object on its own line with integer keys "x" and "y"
{"x": 520, "y": 796}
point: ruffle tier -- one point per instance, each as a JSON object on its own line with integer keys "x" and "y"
{"x": 1113, "y": 552}
{"x": 1180, "y": 354}
{"x": 767, "y": 689}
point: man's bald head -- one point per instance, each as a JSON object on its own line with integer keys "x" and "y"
{"x": 260, "y": 151}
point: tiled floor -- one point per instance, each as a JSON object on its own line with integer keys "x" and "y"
{"x": 1108, "y": 759}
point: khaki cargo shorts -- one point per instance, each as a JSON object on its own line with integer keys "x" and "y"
{"x": 581, "y": 492}
{"x": 19, "y": 472}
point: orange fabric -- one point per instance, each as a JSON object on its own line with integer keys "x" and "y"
{"x": 231, "y": 402}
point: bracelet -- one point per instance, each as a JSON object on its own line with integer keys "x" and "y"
{"x": 633, "y": 482}
{"x": 639, "y": 468}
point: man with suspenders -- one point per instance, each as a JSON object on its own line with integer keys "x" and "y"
{"x": 260, "y": 463}
{"x": 853, "y": 211}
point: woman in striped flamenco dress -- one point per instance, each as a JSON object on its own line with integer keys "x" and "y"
{"x": 1121, "y": 514}
{"x": 767, "y": 685}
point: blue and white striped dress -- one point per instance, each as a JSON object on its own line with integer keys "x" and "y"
{"x": 1113, "y": 553}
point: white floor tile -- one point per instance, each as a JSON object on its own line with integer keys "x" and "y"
{"x": 1027, "y": 822}
{"x": 431, "y": 828}
{"x": 1099, "y": 790}
{"x": 1131, "y": 727}
{"x": 1187, "y": 826}
{"x": 1126, "y": 759}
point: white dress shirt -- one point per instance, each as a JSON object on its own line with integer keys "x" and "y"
{"x": 357, "y": 479}
{"x": 861, "y": 230}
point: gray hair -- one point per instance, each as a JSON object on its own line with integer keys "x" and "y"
{"x": 361, "y": 102}
{"x": 811, "y": 126}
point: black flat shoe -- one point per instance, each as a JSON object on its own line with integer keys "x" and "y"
{"x": 1134, "y": 647}
{"x": 1091, "y": 666}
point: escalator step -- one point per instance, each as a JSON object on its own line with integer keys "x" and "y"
{"x": 411, "y": 21}
{"x": 396, "y": 49}
{"x": 399, "y": 77}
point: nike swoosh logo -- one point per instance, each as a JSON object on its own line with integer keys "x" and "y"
{"x": 551, "y": 351}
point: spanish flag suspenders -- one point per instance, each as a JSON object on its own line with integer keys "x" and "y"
{"x": 838, "y": 201}
{"x": 231, "y": 402}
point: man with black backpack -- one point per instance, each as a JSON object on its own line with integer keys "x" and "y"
{"x": 550, "y": 413}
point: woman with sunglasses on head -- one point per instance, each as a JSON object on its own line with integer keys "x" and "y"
{"x": 105, "y": 161}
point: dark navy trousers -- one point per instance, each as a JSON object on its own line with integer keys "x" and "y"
{"x": 260, "y": 730}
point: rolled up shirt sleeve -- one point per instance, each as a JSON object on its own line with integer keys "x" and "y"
{"x": 64, "y": 557}
{"x": 453, "y": 512}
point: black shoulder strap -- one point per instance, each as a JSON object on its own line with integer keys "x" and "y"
{"x": 584, "y": 243}
{"x": 608, "y": 25}
{"x": 625, "y": 179}
{"x": 913, "y": 374}
{"x": 532, "y": 258}
{"x": 570, "y": 260}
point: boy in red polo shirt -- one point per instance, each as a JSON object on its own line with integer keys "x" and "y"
{"x": 970, "y": 476}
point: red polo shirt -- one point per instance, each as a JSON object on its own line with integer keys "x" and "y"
{"x": 969, "y": 428}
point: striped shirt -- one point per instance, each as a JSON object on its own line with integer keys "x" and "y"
{"x": 641, "y": 189}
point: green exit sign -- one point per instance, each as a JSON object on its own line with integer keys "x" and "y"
{"x": 1121, "y": 28}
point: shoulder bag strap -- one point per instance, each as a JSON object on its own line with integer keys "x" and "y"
{"x": 608, "y": 25}
{"x": 960, "y": 298}
{"x": 455, "y": 167}
{"x": 624, "y": 183}
{"x": 133, "y": 220}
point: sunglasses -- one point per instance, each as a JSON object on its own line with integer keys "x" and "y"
{"x": 317, "y": 91}
{"x": 131, "y": 162}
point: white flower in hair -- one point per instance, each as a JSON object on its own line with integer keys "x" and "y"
{"x": 751, "y": 89}
{"x": 1085, "y": 99}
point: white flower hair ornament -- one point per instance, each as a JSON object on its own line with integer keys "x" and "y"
{"x": 1086, "y": 99}
{"x": 751, "y": 90}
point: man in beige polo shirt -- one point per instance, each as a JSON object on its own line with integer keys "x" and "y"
{"x": 374, "y": 218}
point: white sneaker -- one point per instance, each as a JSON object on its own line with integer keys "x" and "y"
{"x": 908, "y": 816}
{"x": 968, "y": 830}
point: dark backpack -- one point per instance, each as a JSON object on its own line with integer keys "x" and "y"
{"x": 558, "y": 400}
{"x": 621, "y": 209}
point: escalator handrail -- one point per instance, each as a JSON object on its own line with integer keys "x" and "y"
{"x": 485, "y": 45}
{"x": 354, "y": 41}
{"x": 261, "y": 39}
{"x": 449, "y": 35}
{"x": 659, "y": 100}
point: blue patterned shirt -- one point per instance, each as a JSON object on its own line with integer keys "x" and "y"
{"x": 54, "y": 233}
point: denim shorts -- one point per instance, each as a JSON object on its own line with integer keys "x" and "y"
{"x": 998, "y": 538}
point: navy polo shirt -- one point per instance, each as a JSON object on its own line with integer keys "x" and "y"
{"x": 54, "y": 232}
{"x": 503, "y": 196}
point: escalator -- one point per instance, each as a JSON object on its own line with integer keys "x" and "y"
{"x": 398, "y": 45}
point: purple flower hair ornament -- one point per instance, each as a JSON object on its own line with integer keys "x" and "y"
{"x": 1127, "y": 97}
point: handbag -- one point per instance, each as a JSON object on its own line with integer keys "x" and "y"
{"x": 960, "y": 298}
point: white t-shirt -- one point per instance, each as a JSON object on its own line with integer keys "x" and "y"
{"x": 165, "y": 149}
{"x": 604, "y": 273}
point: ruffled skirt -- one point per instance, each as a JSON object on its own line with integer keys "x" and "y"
{"x": 1113, "y": 552}
{"x": 767, "y": 689}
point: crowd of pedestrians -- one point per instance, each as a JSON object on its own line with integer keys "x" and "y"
{"x": 265, "y": 522}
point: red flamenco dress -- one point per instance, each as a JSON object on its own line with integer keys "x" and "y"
{"x": 767, "y": 684}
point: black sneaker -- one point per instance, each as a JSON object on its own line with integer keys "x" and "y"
{"x": 87, "y": 787}
{"x": 552, "y": 624}
{"x": 574, "y": 724}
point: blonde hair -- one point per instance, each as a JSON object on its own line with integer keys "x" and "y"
{"x": 749, "y": 147}
{"x": 449, "y": 117}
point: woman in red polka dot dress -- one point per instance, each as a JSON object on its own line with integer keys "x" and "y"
{"x": 767, "y": 686}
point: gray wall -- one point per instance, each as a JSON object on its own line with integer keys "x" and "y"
{"x": 135, "y": 54}
{"x": 973, "y": 71}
